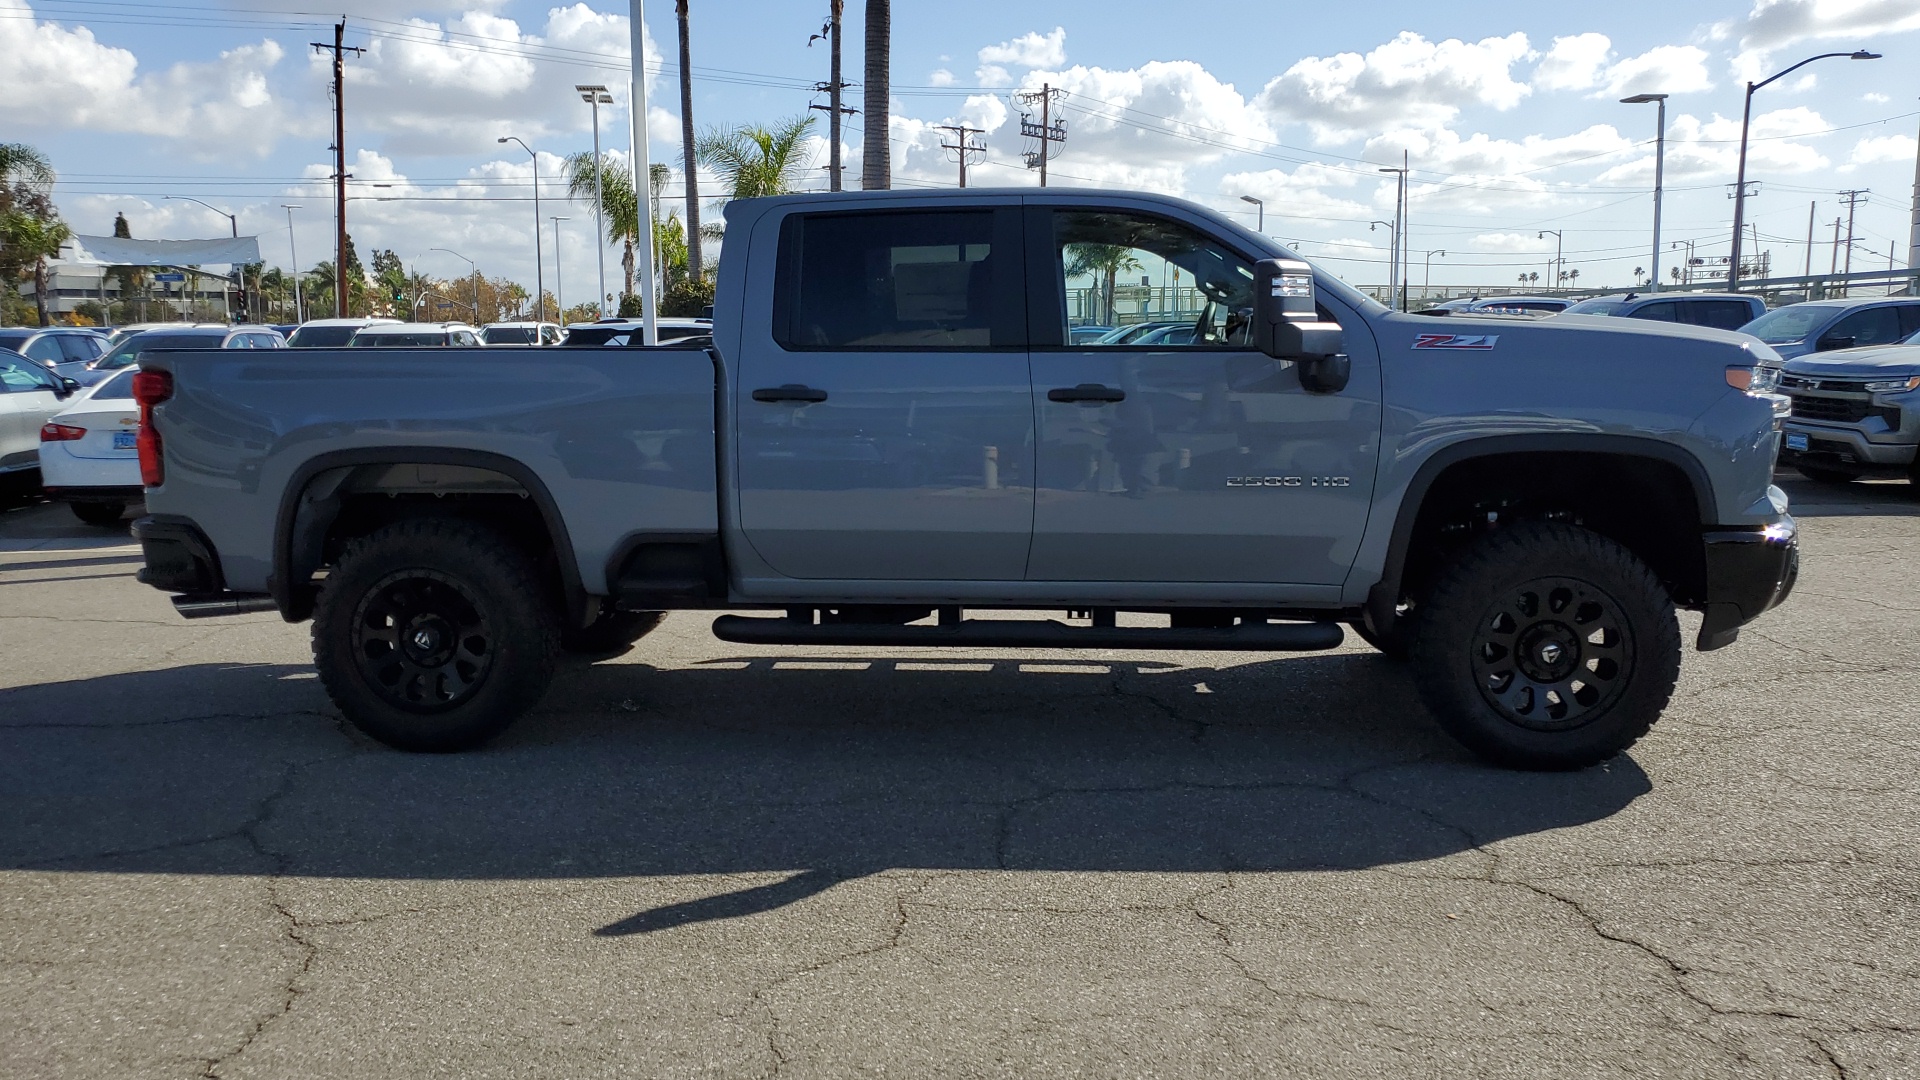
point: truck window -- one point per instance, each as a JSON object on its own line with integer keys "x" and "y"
{"x": 1123, "y": 270}
{"x": 1663, "y": 311}
{"x": 915, "y": 280}
{"x": 1872, "y": 326}
{"x": 1721, "y": 314}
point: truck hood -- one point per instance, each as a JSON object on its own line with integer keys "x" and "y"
{"x": 1595, "y": 337}
{"x": 1870, "y": 360}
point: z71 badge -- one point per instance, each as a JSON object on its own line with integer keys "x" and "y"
{"x": 1475, "y": 342}
{"x": 1289, "y": 481}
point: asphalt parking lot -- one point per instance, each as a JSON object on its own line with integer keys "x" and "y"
{"x": 701, "y": 859}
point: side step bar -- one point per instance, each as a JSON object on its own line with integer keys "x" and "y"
{"x": 208, "y": 605}
{"x": 1032, "y": 634}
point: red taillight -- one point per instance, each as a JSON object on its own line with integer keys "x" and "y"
{"x": 52, "y": 432}
{"x": 150, "y": 388}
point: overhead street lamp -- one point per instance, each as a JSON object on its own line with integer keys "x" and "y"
{"x": 294, "y": 253}
{"x": 1426, "y": 284}
{"x": 1559, "y": 265}
{"x": 476, "y": 278}
{"x": 539, "y": 275}
{"x": 238, "y": 272}
{"x": 1261, "y": 222}
{"x": 1393, "y": 256}
{"x": 596, "y": 96}
{"x": 1740, "y": 180}
{"x": 1659, "y": 170}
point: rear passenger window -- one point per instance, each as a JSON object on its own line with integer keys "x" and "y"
{"x": 1721, "y": 314}
{"x": 1874, "y": 326}
{"x": 1664, "y": 311}
{"x": 911, "y": 280}
{"x": 80, "y": 348}
{"x": 1909, "y": 321}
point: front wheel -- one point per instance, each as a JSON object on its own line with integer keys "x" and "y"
{"x": 1547, "y": 646}
{"x": 435, "y": 634}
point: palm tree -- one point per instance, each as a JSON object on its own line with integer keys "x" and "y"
{"x": 1105, "y": 262}
{"x": 753, "y": 161}
{"x": 688, "y": 144}
{"x": 876, "y": 171}
{"x": 621, "y": 206}
{"x": 31, "y": 238}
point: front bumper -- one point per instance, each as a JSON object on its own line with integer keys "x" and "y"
{"x": 1846, "y": 449}
{"x": 1749, "y": 572}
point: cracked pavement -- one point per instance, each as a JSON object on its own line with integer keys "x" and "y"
{"x": 699, "y": 859}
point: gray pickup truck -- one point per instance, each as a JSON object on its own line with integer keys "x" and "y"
{"x": 894, "y": 428}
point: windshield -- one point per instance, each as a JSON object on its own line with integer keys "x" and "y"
{"x": 399, "y": 341}
{"x": 131, "y": 348}
{"x": 507, "y": 335}
{"x": 321, "y": 337}
{"x": 118, "y": 388}
{"x": 1788, "y": 324}
{"x": 1597, "y": 307}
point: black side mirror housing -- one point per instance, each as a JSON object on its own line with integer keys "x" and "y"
{"x": 69, "y": 386}
{"x": 1287, "y": 325}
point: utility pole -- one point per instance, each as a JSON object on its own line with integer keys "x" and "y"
{"x": 1048, "y": 130}
{"x": 1913, "y": 230}
{"x": 1853, "y": 199}
{"x": 339, "y": 51}
{"x": 643, "y": 175}
{"x": 293, "y": 250}
{"x": 1559, "y": 265}
{"x": 963, "y": 145}
{"x": 559, "y": 290}
{"x": 595, "y": 96}
{"x": 1808, "y": 272}
{"x": 832, "y": 88}
{"x": 1399, "y": 241}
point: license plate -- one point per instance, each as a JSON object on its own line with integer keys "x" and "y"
{"x": 125, "y": 440}
{"x": 1796, "y": 440}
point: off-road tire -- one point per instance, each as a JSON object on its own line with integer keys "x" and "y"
{"x": 1827, "y": 476}
{"x": 466, "y": 584}
{"x": 614, "y": 632}
{"x": 104, "y": 515}
{"x": 1458, "y": 647}
{"x": 1394, "y": 645}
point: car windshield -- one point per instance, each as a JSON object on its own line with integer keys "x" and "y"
{"x": 1788, "y": 324}
{"x": 399, "y": 341}
{"x": 1597, "y": 307}
{"x": 321, "y": 337}
{"x": 13, "y": 339}
{"x": 131, "y": 348}
{"x": 118, "y": 388}
{"x": 507, "y": 335}
{"x": 594, "y": 335}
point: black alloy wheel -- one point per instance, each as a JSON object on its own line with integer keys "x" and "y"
{"x": 421, "y": 642}
{"x": 1553, "y": 653}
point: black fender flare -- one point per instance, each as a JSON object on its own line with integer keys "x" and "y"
{"x": 302, "y": 523}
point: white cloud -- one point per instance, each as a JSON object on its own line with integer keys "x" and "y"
{"x": 1875, "y": 149}
{"x": 1030, "y": 50}
{"x": 1875, "y": 98}
{"x": 1409, "y": 81}
{"x": 940, "y": 77}
{"x": 1573, "y": 63}
{"x": 1667, "y": 69}
{"x": 1776, "y": 24}
{"x": 1301, "y": 197}
{"x": 1708, "y": 149}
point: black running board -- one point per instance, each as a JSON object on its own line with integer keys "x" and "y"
{"x": 1033, "y": 634}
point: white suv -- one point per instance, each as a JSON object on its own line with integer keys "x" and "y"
{"x": 414, "y": 335}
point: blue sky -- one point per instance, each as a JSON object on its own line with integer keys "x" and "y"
{"x": 1508, "y": 112}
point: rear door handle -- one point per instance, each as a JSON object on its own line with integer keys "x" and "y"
{"x": 790, "y": 392}
{"x": 1087, "y": 393}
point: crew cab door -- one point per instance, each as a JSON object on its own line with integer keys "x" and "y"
{"x": 1190, "y": 456}
{"x": 885, "y": 423}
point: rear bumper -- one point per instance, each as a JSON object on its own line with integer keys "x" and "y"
{"x": 102, "y": 493}
{"x": 179, "y": 557}
{"x": 1749, "y": 572}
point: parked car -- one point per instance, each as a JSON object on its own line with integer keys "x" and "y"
{"x": 1080, "y": 335}
{"x": 1535, "y": 306}
{"x": 401, "y": 335}
{"x": 179, "y": 336}
{"x": 122, "y": 333}
{"x": 619, "y": 332}
{"x": 1722, "y": 311}
{"x": 1127, "y": 335}
{"x": 29, "y": 396}
{"x": 285, "y": 330}
{"x": 891, "y": 428}
{"x": 1856, "y": 413}
{"x": 89, "y": 456}
{"x": 521, "y": 333}
{"x": 1825, "y": 325}
{"x": 331, "y": 333}
{"x": 1177, "y": 334}
{"x": 55, "y": 347}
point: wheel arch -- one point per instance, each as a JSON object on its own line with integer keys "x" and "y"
{"x": 316, "y": 493}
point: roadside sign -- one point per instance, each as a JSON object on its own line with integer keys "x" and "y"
{"x": 174, "y": 276}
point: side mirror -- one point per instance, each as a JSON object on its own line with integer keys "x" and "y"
{"x": 1287, "y": 325}
{"x": 68, "y": 386}
{"x": 1831, "y": 342}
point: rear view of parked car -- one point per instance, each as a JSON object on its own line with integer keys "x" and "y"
{"x": 414, "y": 336}
{"x": 1722, "y": 311}
{"x": 89, "y": 452}
{"x": 331, "y": 333}
{"x": 521, "y": 333}
{"x": 1826, "y": 325}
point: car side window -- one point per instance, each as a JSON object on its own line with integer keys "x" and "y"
{"x": 80, "y": 348}
{"x": 1909, "y": 320}
{"x": 1663, "y": 311}
{"x": 895, "y": 280}
{"x": 1721, "y": 314}
{"x": 23, "y": 378}
{"x": 46, "y": 349}
{"x": 1872, "y": 326}
{"x": 1120, "y": 269}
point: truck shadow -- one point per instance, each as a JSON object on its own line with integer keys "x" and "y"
{"x": 820, "y": 769}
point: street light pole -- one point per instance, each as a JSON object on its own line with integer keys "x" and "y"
{"x": 643, "y": 172}
{"x": 559, "y": 290}
{"x": 476, "y": 278}
{"x": 1558, "y": 266}
{"x": 234, "y": 224}
{"x": 1399, "y": 238}
{"x": 1426, "y": 285}
{"x": 1261, "y": 226}
{"x": 294, "y": 252}
{"x": 1740, "y": 179}
{"x": 1393, "y": 260}
{"x": 1659, "y": 170}
{"x": 539, "y": 275}
{"x": 596, "y": 96}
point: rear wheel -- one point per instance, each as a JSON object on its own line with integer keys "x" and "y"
{"x": 1547, "y": 646}
{"x": 1827, "y": 476}
{"x": 612, "y": 633}
{"x": 435, "y": 634}
{"x": 103, "y": 514}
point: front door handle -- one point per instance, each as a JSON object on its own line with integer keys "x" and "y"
{"x": 790, "y": 392}
{"x": 1087, "y": 393}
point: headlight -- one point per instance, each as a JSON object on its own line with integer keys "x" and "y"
{"x": 1754, "y": 380}
{"x": 1911, "y": 382}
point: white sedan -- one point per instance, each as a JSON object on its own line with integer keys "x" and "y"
{"x": 29, "y": 395}
{"x": 88, "y": 453}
